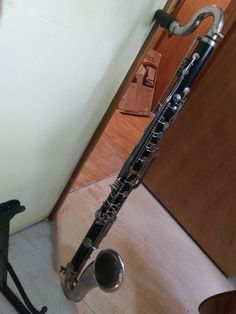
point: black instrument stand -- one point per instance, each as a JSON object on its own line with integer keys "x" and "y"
{"x": 7, "y": 211}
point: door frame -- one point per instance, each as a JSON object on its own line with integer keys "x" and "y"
{"x": 154, "y": 36}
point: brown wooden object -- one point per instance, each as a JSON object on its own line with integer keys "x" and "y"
{"x": 195, "y": 174}
{"x": 223, "y": 303}
{"x": 139, "y": 95}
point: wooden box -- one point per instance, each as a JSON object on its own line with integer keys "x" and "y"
{"x": 139, "y": 95}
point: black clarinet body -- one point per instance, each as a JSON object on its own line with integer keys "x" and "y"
{"x": 140, "y": 159}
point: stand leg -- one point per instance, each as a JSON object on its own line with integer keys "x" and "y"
{"x": 15, "y": 302}
{"x": 7, "y": 211}
{"x": 4, "y": 240}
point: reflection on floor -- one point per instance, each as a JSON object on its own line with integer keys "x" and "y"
{"x": 116, "y": 143}
{"x": 166, "y": 273}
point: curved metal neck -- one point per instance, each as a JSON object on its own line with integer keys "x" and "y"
{"x": 215, "y": 30}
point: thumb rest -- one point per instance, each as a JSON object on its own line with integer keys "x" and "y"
{"x": 107, "y": 271}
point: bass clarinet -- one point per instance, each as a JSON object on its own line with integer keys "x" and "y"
{"x": 107, "y": 271}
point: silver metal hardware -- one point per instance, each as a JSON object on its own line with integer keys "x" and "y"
{"x": 88, "y": 243}
{"x": 177, "y": 97}
{"x": 186, "y": 91}
{"x": 167, "y": 124}
{"x": 196, "y": 56}
{"x": 106, "y": 272}
{"x": 214, "y": 31}
{"x": 98, "y": 213}
{"x": 209, "y": 41}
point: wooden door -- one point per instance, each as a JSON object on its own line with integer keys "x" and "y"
{"x": 195, "y": 174}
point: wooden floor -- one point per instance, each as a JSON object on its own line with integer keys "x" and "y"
{"x": 114, "y": 146}
{"x": 166, "y": 273}
{"x": 32, "y": 253}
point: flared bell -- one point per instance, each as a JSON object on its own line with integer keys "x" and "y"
{"x": 105, "y": 272}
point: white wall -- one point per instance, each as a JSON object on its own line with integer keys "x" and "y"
{"x": 61, "y": 63}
